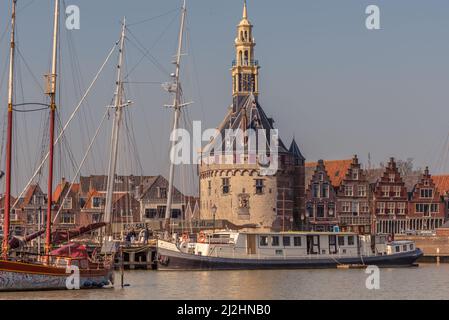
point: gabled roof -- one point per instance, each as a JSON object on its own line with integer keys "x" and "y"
{"x": 336, "y": 170}
{"x": 32, "y": 189}
{"x": 249, "y": 115}
{"x": 63, "y": 186}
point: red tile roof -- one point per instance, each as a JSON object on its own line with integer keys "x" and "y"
{"x": 29, "y": 194}
{"x": 442, "y": 183}
{"x": 336, "y": 169}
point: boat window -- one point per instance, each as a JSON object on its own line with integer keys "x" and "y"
{"x": 350, "y": 240}
{"x": 286, "y": 241}
{"x": 332, "y": 244}
{"x": 397, "y": 249}
{"x": 263, "y": 241}
{"x": 404, "y": 247}
{"x": 341, "y": 240}
{"x": 411, "y": 247}
{"x": 279, "y": 252}
{"x": 275, "y": 241}
{"x": 297, "y": 241}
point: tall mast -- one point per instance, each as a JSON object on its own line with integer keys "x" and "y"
{"x": 118, "y": 106}
{"x": 51, "y": 91}
{"x": 177, "y": 106}
{"x": 6, "y": 216}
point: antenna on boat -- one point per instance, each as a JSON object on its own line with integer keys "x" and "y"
{"x": 7, "y": 211}
{"x": 175, "y": 89}
{"x": 118, "y": 106}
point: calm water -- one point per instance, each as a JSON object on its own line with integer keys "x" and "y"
{"x": 429, "y": 281}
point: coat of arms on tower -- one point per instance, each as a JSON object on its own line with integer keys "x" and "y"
{"x": 243, "y": 204}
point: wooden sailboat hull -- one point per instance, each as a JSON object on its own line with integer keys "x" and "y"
{"x": 18, "y": 276}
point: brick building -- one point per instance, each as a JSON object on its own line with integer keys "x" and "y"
{"x": 353, "y": 200}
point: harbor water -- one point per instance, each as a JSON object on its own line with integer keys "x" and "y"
{"x": 428, "y": 281}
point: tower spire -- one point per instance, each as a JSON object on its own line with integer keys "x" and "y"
{"x": 245, "y": 68}
{"x": 245, "y": 10}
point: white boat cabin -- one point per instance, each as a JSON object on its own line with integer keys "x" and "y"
{"x": 231, "y": 244}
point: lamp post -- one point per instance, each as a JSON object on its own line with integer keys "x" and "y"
{"x": 214, "y": 211}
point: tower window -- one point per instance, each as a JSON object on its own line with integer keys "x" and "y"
{"x": 226, "y": 186}
{"x": 259, "y": 186}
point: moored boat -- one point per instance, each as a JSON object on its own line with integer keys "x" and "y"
{"x": 229, "y": 250}
{"x": 55, "y": 272}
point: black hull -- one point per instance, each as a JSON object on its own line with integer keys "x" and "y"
{"x": 170, "y": 260}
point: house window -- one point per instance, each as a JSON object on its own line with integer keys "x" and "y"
{"x": 381, "y": 207}
{"x": 391, "y": 207}
{"x": 259, "y": 186}
{"x": 355, "y": 175}
{"x": 346, "y": 207}
{"x": 30, "y": 218}
{"x": 226, "y": 185}
{"x": 434, "y": 207}
{"x": 401, "y": 207}
{"x": 426, "y": 193}
{"x": 397, "y": 191}
{"x": 320, "y": 210}
{"x": 263, "y": 241}
{"x": 150, "y": 213}
{"x": 286, "y": 241}
{"x": 364, "y": 207}
{"x": 392, "y": 177}
{"x": 385, "y": 191}
{"x": 68, "y": 218}
{"x": 96, "y": 217}
{"x": 209, "y": 187}
{"x": 321, "y": 177}
{"x": 331, "y": 209}
{"x": 362, "y": 191}
{"x": 316, "y": 190}
{"x": 349, "y": 191}
{"x": 341, "y": 240}
{"x": 96, "y": 202}
{"x": 176, "y": 213}
{"x": 325, "y": 193}
{"x": 162, "y": 193}
{"x": 355, "y": 208}
{"x": 275, "y": 241}
{"x": 309, "y": 209}
{"x": 67, "y": 204}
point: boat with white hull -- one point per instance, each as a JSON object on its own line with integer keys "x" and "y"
{"x": 290, "y": 250}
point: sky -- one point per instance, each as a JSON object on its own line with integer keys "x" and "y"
{"x": 335, "y": 86}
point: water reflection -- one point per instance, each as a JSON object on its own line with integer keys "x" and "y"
{"x": 426, "y": 282}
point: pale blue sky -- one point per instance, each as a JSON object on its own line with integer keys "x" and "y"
{"x": 339, "y": 88}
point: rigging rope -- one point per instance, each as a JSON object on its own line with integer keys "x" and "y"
{"x": 68, "y": 121}
{"x": 80, "y": 166}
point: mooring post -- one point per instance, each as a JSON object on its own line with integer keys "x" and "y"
{"x": 122, "y": 268}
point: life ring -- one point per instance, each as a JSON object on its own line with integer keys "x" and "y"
{"x": 202, "y": 238}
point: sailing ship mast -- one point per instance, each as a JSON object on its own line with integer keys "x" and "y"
{"x": 118, "y": 106}
{"x": 177, "y": 106}
{"x": 51, "y": 91}
{"x": 6, "y": 215}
